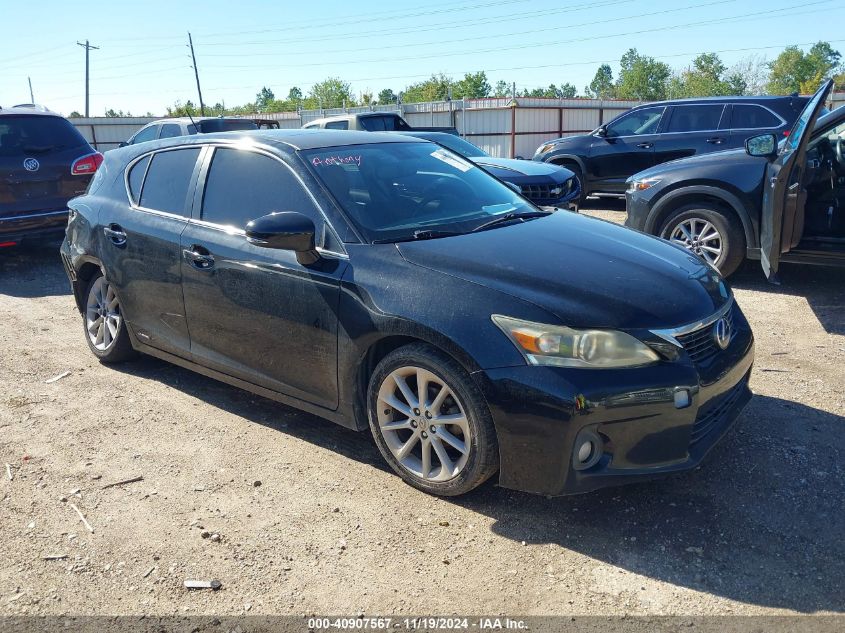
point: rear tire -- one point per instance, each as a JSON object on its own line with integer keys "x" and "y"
{"x": 102, "y": 319}
{"x": 710, "y": 232}
{"x": 431, "y": 422}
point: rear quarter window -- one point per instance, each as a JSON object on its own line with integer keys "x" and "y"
{"x": 750, "y": 117}
{"x": 38, "y": 134}
{"x": 168, "y": 179}
{"x": 136, "y": 178}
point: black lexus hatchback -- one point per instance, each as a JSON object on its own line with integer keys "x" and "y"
{"x": 44, "y": 161}
{"x": 384, "y": 282}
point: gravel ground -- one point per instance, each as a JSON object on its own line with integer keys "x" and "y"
{"x": 295, "y": 515}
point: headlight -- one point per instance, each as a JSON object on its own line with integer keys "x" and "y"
{"x": 641, "y": 184}
{"x": 544, "y": 148}
{"x": 561, "y": 346}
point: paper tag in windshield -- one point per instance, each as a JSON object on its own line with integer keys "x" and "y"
{"x": 451, "y": 159}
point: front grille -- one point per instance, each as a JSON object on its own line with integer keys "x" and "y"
{"x": 545, "y": 193}
{"x": 700, "y": 344}
{"x": 714, "y": 413}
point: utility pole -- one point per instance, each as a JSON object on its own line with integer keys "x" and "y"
{"x": 31, "y": 98}
{"x": 87, "y": 48}
{"x": 196, "y": 73}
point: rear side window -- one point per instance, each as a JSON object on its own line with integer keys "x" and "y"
{"x": 698, "y": 118}
{"x": 168, "y": 179}
{"x": 337, "y": 125}
{"x": 749, "y": 117}
{"x": 375, "y": 124}
{"x": 21, "y": 135}
{"x": 136, "y": 178}
{"x": 169, "y": 130}
{"x": 242, "y": 186}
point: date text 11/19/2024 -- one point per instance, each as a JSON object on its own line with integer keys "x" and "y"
{"x": 427, "y": 623}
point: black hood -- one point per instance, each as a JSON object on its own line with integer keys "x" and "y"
{"x": 587, "y": 272}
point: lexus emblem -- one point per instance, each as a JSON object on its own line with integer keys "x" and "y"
{"x": 722, "y": 333}
{"x": 31, "y": 164}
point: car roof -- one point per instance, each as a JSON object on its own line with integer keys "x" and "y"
{"x": 185, "y": 119}
{"x": 351, "y": 115}
{"x": 296, "y": 138}
{"x": 28, "y": 109}
{"x": 726, "y": 99}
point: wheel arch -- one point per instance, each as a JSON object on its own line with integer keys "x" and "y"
{"x": 85, "y": 270}
{"x": 717, "y": 196}
{"x": 563, "y": 159}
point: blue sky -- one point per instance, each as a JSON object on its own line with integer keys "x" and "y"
{"x": 143, "y": 62}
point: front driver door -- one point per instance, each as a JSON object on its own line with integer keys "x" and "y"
{"x": 626, "y": 148}
{"x": 784, "y": 193}
{"x": 256, "y": 313}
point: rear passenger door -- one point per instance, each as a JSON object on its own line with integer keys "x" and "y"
{"x": 141, "y": 251}
{"x": 690, "y": 130}
{"x": 256, "y": 313}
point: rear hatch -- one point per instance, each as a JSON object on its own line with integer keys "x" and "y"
{"x": 36, "y": 154}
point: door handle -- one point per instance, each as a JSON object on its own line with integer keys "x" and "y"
{"x": 115, "y": 234}
{"x": 716, "y": 140}
{"x": 645, "y": 145}
{"x": 198, "y": 257}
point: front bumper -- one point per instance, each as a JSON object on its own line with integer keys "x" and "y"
{"x": 43, "y": 224}
{"x": 539, "y": 411}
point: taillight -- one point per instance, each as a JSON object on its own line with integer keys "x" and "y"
{"x": 86, "y": 164}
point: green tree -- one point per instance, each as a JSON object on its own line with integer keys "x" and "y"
{"x": 706, "y": 78}
{"x": 184, "y": 110}
{"x": 119, "y": 113}
{"x": 294, "y": 94}
{"x": 75, "y": 115}
{"x": 568, "y": 91}
{"x": 793, "y": 70}
{"x": 749, "y": 76}
{"x": 435, "y": 88}
{"x": 472, "y": 86}
{"x": 366, "y": 98}
{"x": 642, "y": 77}
{"x": 386, "y": 96}
{"x": 602, "y": 86}
{"x": 331, "y": 93}
{"x": 502, "y": 89}
{"x": 263, "y": 99}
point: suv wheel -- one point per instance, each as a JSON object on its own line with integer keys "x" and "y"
{"x": 575, "y": 169}
{"x": 105, "y": 329}
{"x": 709, "y": 232}
{"x": 430, "y": 421}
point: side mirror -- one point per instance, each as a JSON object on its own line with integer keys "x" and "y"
{"x": 123, "y": 144}
{"x": 287, "y": 230}
{"x": 762, "y": 145}
{"x": 602, "y": 131}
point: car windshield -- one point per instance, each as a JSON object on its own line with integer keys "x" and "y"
{"x": 21, "y": 135}
{"x": 399, "y": 191}
{"x": 460, "y": 146}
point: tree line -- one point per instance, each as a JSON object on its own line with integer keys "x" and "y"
{"x": 639, "y": 77}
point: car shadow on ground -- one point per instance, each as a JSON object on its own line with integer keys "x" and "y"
{"x": 33, "y": 270}
{"x": 603, "y": 203}
{"x": 759, "y": 522}
{"x": 822, "y": 286}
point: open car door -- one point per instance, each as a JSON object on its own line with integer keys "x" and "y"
{"x": 784, "y": 192}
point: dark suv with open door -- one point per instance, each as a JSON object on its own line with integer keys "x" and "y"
{"x": 775, "y": 200}
{"x": 44, "y": 162}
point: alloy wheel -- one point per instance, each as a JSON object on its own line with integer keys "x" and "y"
{"x": 423, "y": 424}
{"x": 699, "y": 236}
{"x": 102, "y": 315}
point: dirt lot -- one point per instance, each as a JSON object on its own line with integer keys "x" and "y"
{"x": 296, "y": 515}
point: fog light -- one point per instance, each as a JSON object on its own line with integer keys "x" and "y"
{"x": 587, "y": 450}
{"x": 682, "y": 398}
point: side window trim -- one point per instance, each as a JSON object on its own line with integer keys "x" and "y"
{"x": 202, "y": 178}
{"x": 136, "y": 206}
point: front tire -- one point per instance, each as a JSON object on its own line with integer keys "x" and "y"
{"x": 105, "y": 328}
{"x": 431, "y": 422}
{"x": 709, "y": 232}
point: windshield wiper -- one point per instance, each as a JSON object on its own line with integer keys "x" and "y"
{"x": 425, "y": 234}
{"x": 509, "y": 217}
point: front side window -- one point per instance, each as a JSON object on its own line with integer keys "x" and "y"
{"x": 695, "y": 118}
{"x": 752, "y": 117}
{"x": 242, "y": 186}
{"x": 642, "y": 121}
{"x": 169, "y": 130}
{"x": 147, "y": 134}
{"x": 168, "y": 179}
{"x": 394, "y": 191}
